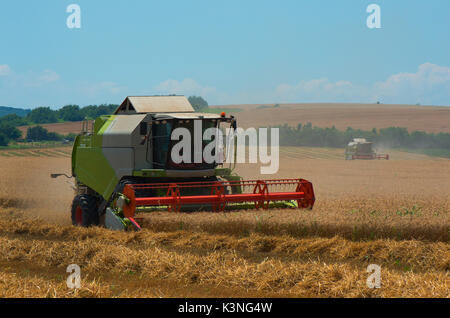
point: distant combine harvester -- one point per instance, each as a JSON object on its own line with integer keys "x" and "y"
{"x": 360, "y": 148}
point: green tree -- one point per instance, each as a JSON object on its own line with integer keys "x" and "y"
{"x": 106, "y": 109}
{"x": 89, "y": 111}
{"x": 10, "y": 131}
{"x": 54, "y": 136}
{"x": 13, "y": 120}
{"x": 94, "y": 111}
{"x": 198, "y": 102}
{"x": 3, "y": 140}
{"x": 42, "y": 115}
{"x": 393, "y": 137}
{"x": 70, "y": 113}
{"x": 70, "y": 136}
{"x": 39, "y": 133}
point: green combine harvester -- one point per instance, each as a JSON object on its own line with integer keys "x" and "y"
{"x": 360, "y": 148}
{"x": 123, "y": 168}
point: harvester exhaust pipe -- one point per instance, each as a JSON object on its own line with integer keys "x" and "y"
{"x": 56, "y": 175}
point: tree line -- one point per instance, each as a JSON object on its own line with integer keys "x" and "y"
{"x": 46, "y": 115}
{"x": 391, "y": 137}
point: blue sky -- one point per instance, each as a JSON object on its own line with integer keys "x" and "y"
{"x": 227, "y": 51}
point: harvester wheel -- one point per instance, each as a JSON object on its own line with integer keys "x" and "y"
{"x": 84, "y": 210}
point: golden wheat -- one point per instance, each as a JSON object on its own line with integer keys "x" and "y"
{"x": 394, "y": 214}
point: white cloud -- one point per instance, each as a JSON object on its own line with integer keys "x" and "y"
{"x": 4, "y": 70}
{"x": 429, "y": 85}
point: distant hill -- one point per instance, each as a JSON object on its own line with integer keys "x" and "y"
{"x": 432, "y": 119}
{"x": 5, "y": 110}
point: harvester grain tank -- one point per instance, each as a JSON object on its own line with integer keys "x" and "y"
{"x": 123, "y": 169}
{"x": 360, "y": 148}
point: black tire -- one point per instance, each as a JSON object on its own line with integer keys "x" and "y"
{"x": 85, "y": 210}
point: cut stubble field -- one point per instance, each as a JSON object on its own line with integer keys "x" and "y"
{"x": 394, "y": 213}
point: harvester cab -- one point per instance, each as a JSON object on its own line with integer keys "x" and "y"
{"x": 360, "y": 148}
{"x": 135, "y": 161}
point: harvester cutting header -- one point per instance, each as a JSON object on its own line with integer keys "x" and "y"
{"x": 123, "y": 167}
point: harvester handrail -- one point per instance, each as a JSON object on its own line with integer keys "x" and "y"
{"x": 195, "y": 184}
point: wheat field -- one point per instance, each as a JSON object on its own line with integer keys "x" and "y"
{"x": 395, "y": 214}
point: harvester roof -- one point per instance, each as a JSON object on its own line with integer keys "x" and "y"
{"x": 154, "y": 104}
{"x": 358, "y": 141}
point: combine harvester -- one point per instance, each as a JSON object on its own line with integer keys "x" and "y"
{"x": 123, "y": 168}
{"x": 360, "y": 148}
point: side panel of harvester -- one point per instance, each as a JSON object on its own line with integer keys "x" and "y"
{"x": 102, "y": 158}
{"x": 89, "y": 165}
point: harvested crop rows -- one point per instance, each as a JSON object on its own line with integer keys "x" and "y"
{"x": 37, "y": 152}
{"x": 338, "y": 154}
{"x": 392, "y": 213}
